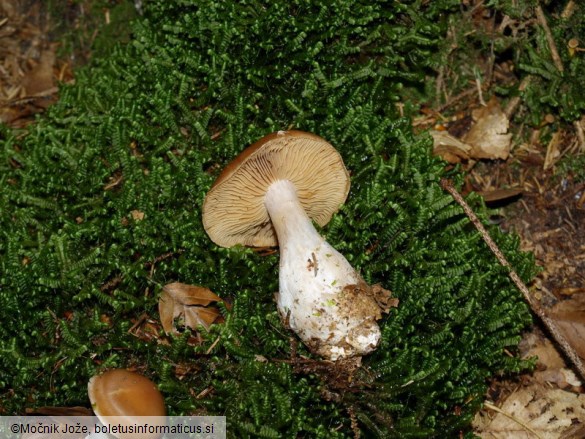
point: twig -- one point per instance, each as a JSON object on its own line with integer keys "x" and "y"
{"x": 479, "y": 91}
{"x": 549, "y": 38}
{"x": 439, "y": 85}
{"x": 491, "y": 406}
{"x": 548, "y": 322}
{"x": 568, "y": 11}
{"x": 457, "y": 98}
{"x": 515, "y": 101}
{"x": 139, "y": 322}
{"x": 214, "y": 344}
{"x": 578, "y": 124}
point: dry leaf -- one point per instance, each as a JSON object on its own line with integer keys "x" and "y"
{"x": 535, "y": 344}
{"x": 41, "y": 79}
{"x": 533, "y": 412}
{"x": 137, "y": 215}
{"x": 569, "y": 291}
{"x": 449, "y": 147}
{"x": 570, "y": 317}
{"x": 550, "y": 367}
{"x": 575, "y": 432}
{"x": 189, "y": 303}
{"x": 500, "y": 194}
{"x": 489, "y": 137}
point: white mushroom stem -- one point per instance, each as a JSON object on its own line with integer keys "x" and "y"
{"x": 325, "y": 301}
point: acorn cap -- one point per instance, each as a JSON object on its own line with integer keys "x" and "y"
{"x": 234, "y": 211}
{"x": 125, "y": 395}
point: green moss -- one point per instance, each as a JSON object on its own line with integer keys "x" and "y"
{"x": 88, "y": 27}
{"x": 503, "y": 44}
{"x": 148, "y": 128}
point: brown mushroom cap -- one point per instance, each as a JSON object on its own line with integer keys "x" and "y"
{"x": 233, "y": 210}
{"x": 125, "y": 395}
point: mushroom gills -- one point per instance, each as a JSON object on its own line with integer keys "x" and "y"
{"x": 323, "y": 298}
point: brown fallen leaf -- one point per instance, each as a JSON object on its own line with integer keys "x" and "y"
{"x": 137, "y": 215}
{"x": 188, "y": 303}
{"x": 533, "y": 412}
{"x": 536, "y": 344}
{"x": 568, "y": 291}
{"x": 575, "y": 432}
{"x": 500, "y": 194}
{"x": 550, "y": 366}
{"x": 147, "y": 329}
{"x": 570, "y": 317}
{"x": 449, "y": 147}
{"x": 489, "y": 137}
{"x": 41, "y": 78}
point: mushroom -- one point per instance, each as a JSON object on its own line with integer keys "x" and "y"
{"x": 268, "y": 196}
{"x": 118, "y": 397}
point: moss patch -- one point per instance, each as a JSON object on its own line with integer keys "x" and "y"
{"x": 147, "y": 128}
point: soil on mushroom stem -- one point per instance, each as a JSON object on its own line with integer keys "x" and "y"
{"x": 361, "y": 302}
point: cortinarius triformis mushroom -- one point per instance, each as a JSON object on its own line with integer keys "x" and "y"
{"x": 123, "y": 396}
{"x": 268, "y": 196}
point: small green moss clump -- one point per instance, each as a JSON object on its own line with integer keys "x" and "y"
{"x": 101, "y": 207}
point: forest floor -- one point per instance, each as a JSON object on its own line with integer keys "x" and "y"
{"x": 543, "y": 202}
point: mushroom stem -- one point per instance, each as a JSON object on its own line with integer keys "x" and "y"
{"x": 326, "y": 301}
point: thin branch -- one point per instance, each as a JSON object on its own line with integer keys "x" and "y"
{"x": 569, "y": 9}
{"x": 567, "y": 12}
{"x": 515, "y": 101}
{"x": 479, "y": 91}
{"x": 548, "y": 322}
{"x": 549, "y": 38}
{"x": 457, "y": 98}
{"x": 578, "y": 124}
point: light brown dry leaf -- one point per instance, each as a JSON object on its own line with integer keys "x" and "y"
{"x": 535, "y": 344}
{"x": 488, "y": 136}
{"x": 550, "y": 367}
{"x": 575, "y": 432}
{"x": 533, "y": 412}
{"x": 449, "y": 147}
{"x": 8, "y": 8}
{"x": 41, "y": 78}
{"x": 189, "y": 303}
{"x": 570, "y": 317}
{"x": 137, "y": 215}
{"x": 500, "y": 194}
{"x": 569, "y": 291}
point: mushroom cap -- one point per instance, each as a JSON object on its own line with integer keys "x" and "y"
{"x": 234, "y": 211}
{"x": 125, "y": 395}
